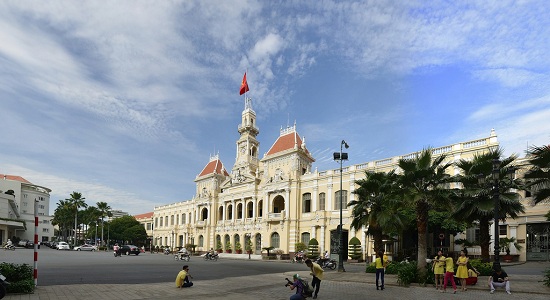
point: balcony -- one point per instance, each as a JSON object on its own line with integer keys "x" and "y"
{"x": 200, "y": 223}
{"x": 276, "y": 217}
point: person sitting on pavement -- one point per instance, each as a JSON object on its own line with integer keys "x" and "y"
{"x": 499, "y": 279}
{"x": 297, "y": 284}
{"x": 182, "y": 280}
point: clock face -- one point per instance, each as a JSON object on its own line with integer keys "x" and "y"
{"x": 242, "y": 150}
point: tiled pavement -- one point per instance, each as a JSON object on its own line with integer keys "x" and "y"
{"x": 347, "y": 285}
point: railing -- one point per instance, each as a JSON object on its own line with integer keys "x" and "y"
{"x": 382, "y": 162}
{"x": 475, "y": 143}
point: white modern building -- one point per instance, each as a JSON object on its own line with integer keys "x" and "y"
{"x": 17, "y": 200}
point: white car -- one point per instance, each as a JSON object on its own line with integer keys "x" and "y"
{"x": 85, "y": 247}
{"x": 62, "y": 246}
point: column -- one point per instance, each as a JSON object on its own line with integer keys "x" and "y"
{"x": 233, "y": 211}
{"x": 329, "y": 204}
{"x": 314, "y": 199}
{"x": 322, "y": 241}
{"x": 313, "y": 232}
{"x": 287, "y": 203}
{"x": 254, "y": 204}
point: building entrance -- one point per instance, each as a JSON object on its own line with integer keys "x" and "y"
{"x": 538, "y": 241}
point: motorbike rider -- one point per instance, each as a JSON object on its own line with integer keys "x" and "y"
{"x": 211, "y": 253}
{"x": 325, "y": 258}
{"x": 183, "y": 253}
{"x": 317, "y": 273}
{"x": 9, "y": 244}
{"x": 116, "y": 248}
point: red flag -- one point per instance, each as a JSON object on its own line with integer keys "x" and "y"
{"x": 244, "y": 85}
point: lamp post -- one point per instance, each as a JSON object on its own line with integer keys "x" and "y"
{"x": 172, "y": 241}
{"x": 496, "y": 196}
{"x": 341, "y": 156}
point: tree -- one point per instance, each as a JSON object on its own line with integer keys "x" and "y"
{"x": 475, "y": 200}
{"x": 538, "y": 176}
{"x": 105, "y": 211}
{"x": 424, "y": 183}
{"x": 377, "y": 206}
{"x": 76, "y": 202}
{"x": 128, "y": 230}
{"x": 63, "y": 218}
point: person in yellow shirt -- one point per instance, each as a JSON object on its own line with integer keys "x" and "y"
{"x": 438, "y": 268}
{"x": 380, "y": 264}
{"x": 449, "y": 273}
{"x": 462, "y": 270}
{"x": 317, "y": 273}
{"x": 182, "y": 280}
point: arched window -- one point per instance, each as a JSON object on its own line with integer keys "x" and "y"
{"x": 204, "y": 214}
{"x": 275, "y": 240}
{"x": 226, "y": 241}
{"x": 166, "y": 221}
{"x": 220, "y": 213}
{"x": 237, "y": 240}
{"x": 219, "y": 242}
{"x": 249, "y": 209}
{"x": 278, "y": 204}
{"x": 230, "y": 212}
{"x": 239, "y": 211}
{"x": 306, "y": 203}
{"x": 337, "y": 199}
{"x": 201, "y": 241}
{"x": 260, "y": 208}
{"x": 322, "y": 201}
{"x": 177, "y": 219}
{"x": 182, "y": 218}
{"x": 305, "y": 238}
{"x": 172, "y": 220}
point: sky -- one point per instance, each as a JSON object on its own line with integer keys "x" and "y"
{"x": 125, "y": 101}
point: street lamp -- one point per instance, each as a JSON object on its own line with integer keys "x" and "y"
{"x": 172, "y": 241}
{"x": 341, "y": 156}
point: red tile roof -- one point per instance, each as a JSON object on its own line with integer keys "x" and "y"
{"x": 286, "y": 141}
{"x": 214, "y": 166}
{"x": 14, "y": 178}
{"x": 144, "y": 216}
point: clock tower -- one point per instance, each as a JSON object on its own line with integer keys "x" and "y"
{"x": 246, "y": 162}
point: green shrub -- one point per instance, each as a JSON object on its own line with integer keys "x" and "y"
{"x": 484, "y": 268}
{"x": 406, "y": 273}
{"x": 20, "y": 277}
{"x": 546, "y": 280}
{"x": 355, "y": 248}
{"x": 371, "y": 268}
{"x": 300, "y": 247}
{"x": 392, "y": 268}
{"x": 313, "y": 248}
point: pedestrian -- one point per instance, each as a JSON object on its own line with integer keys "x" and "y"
{"x": 499, "y": 279}
{"x": 438, "y": 268}
{"x": 317, "y": 273}
{"x": 449, "y": 273}
{"x": 182, "y": 280}
{"x": 462, "y": 270}
{"x": 380, "y": 264}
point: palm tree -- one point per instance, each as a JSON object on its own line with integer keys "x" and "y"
{"x": 76, "y": 201}
{"x": 89, "y": 217}
{"x": 105, "y": 211}
{"x": 475, "y": 202}
{"x": 424, "y": 183}
{"x": 63, "y": 217}
{"x": 538, "y": 176}
{"x": 377, "y": 206}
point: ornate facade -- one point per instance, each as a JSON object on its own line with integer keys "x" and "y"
{"x": 276, "y": 200}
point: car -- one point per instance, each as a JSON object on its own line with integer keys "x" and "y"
{"x": 30, "y": 244}
{"x": 129, "y": 249}
{"x": 22, "y": 243}
{"x": 62, "y": 246}
{"x": 85, "y": 247}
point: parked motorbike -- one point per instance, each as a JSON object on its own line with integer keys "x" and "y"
{"x": 298, "y": 258}
{"x": 182, "y": 256}
{"x": 3, "y": 285}
{"x": 209, "y": 256}
{"x": 327, "y": 263}
{"x": 167, "y": 251}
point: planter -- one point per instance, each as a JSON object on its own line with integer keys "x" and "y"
{"x": 239, "y": 251}
{"x": 228, "y": 251}
{"x": 219, "y": 250}
{"x": 278, "y": 256}
{"x": 249, "y": 252}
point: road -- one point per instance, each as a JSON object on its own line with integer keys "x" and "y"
{"x": 78, "y": 267}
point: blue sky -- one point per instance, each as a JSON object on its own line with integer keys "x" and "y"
{"x": 125, "y": 101}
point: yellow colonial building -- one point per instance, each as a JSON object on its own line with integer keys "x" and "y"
{"x": 278, "y": 199}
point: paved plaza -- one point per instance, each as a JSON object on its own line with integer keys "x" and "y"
{"x": 348, "y": 285}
